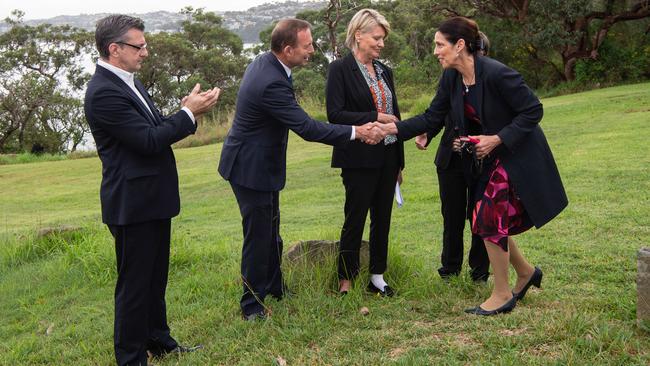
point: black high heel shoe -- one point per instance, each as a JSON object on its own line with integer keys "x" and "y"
{"x": 505, "y": 308}
{"x": 535, "y": 280}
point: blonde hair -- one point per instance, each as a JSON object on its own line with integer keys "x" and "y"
{"x": 364, "y": 20}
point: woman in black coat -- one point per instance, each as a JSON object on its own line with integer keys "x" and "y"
{"x": 360, "y": 89}
{"x": 456, "y": 188}
{"x": 519, "y": 184}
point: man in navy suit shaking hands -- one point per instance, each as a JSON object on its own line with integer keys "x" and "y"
{"x": 139, "y": 190}
{"x": 253, "y": 158}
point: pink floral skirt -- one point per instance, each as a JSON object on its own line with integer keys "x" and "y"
{"x": 499, "y": 213}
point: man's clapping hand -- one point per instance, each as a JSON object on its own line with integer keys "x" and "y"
{"x": 200, "y": 102}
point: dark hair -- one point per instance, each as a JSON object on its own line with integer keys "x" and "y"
{"x": 483, "y": 43}
{"x": 457, "y": 28}
{"x": 285, "y": 33}
{"x": 112, "y": 29}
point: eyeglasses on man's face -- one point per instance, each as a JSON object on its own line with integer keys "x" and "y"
{"x": 139, "y": 48}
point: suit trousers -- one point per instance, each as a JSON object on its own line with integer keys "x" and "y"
{"x": 367, "y": 189}
{"x": 457, "y": 202}
{"x": 262, "y": 248}
{"x": 142, "y": 252}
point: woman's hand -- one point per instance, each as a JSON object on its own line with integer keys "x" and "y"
{"x": 486, "y": 144}
{"x": 386, "y": 128}
{"x": 455, "y": 145}
{"x": 386, "y": 118}
{"x": 421, "y": 141}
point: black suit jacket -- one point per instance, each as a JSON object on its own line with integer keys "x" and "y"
{"x": 509, "y": 109}
{"x": 254, "y": 152}
{"x": 139, "y": 178}
{"x": 349, "y": 102}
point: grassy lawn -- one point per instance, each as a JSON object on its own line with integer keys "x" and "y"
{"x": 56, "y": 293}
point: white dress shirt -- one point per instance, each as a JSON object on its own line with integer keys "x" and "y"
{"x": 127, "y": 77}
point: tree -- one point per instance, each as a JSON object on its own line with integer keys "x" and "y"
{"x": 575, "y": 29}
{"x": 202, "y": 52}
{"x": 41, "y": 79}
{"x": 329, "y": 26}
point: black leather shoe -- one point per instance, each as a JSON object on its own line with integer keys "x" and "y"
{"x": 260, "y": 315}
{"x": 386, "y": 292}
{"x": 535, "y": 280}
{"x": 160, "y": 352}
{"x": 479, "y": 277}
{"x": 446, "y": 274}
{"x": 284, "y": 293}
{"x": 505, "y": 308}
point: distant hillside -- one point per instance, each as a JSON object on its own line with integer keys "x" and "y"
{"x": 247, "y": 24}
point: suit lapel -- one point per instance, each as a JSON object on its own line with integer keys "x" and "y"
{"x": 458, "y": 104}
{"x": 146, "y": 97}
{"x": 128, "y": 91}
{"x": 478, "y": 71}
{"x": 360, "y": 79}
{"x": 276, "y": 63}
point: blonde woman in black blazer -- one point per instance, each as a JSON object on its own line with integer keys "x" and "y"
{"x": 360, "y": 89}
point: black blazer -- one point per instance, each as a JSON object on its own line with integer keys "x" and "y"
{"x": 445, "y": 147}
{"x": 139, "y": 178}
{"x": 254, "y": 152}
{"x": 509, "y": 109}
{"x": 349, "y": 102}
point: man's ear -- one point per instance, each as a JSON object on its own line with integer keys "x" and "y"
{"x": 287, "y": 50}
{"x": 112, "y": 49}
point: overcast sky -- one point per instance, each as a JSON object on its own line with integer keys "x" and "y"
{"x": 39, "y": 9}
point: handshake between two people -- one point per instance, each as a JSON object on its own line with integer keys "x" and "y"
{"x": 373, "y": 132}
{"x": 200, "y": 102}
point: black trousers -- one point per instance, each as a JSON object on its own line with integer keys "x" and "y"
{"x": 262, "y": 248}
{"x": 457, "y": 202}
{"x": 367, "y": 189}
{"x": 142, "y": 252}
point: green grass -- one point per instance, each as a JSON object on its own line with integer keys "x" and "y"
{"x": 23, "y": 158}
{"x": 585, "y": 313}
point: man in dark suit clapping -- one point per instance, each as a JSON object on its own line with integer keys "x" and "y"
{"x": 139, "y": 189}
{"x": 253, "y": 158}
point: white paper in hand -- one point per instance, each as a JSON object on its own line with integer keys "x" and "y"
{"x": 398, "y": 196}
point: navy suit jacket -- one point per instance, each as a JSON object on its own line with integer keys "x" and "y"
{"x": 139, "y": 178}
{"x": 509, "y": 109}
{"x": 254, "y": 152}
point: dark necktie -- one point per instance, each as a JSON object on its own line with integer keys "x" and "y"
{"x": 291, "y": 80}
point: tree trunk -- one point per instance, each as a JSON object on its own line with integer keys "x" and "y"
{"x": 21, "y": 138}
{"x": 334, "y": 6}
{"x": 5, "y": 137}
{"x": 569, "y": 68}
